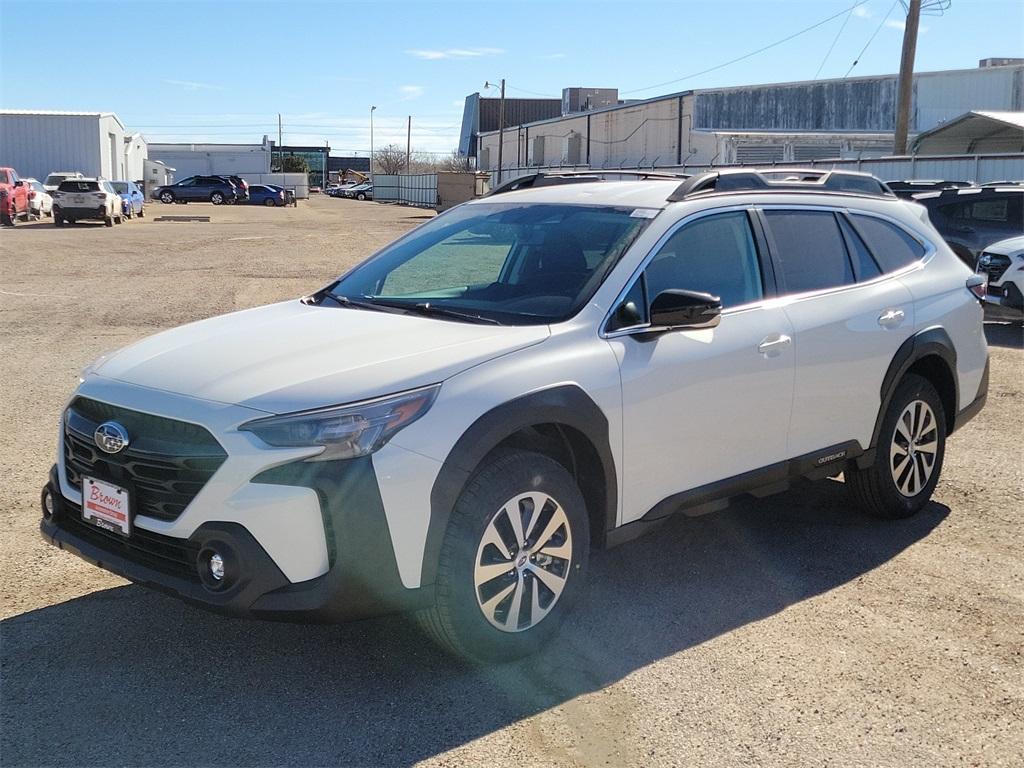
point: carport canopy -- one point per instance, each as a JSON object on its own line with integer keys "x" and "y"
{"x": 974, "y": 133}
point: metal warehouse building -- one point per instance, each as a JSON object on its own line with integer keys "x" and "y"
{"x": 36, "y": 143}
{"x": 221, "y": 159}
{"x": 784, "y": 122}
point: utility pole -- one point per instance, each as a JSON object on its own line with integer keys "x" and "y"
{"x": 906, "y": 77}
{"x": 280, "y": 152}
{"x": 371, "y": 143}
{"x": 501, "y": 125}
{"x": 408, "y": 142}
{"x": 327, "y": 153}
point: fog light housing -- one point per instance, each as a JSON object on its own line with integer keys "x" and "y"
{"x": 216, "y": 566}
{"x": 49, "y": 505}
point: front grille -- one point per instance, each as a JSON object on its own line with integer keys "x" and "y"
{"x": 166, "y": 463}
{"x": 176, "y": 557}
{"x": 994, "y": 265}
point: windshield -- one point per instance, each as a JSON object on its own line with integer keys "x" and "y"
{"x": 514, "y": 263}
{"x": 121, "y": 187}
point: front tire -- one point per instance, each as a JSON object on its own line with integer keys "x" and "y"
{"x": 908, "y": 457}
{"x": 513, "y": 560}
{"x": 361, "y": 196}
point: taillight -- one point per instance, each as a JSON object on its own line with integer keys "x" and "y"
{"x": 32, "y": 195}
{"x": 978, "y": 285}
{"x": 281, "y": 196}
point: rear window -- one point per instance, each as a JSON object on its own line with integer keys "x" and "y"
{"x": 3, "y": 177}
{"x": 892, "y": 247}
{"x": 73, "y": 185}
{"x": 811, "y": 250}
{"x": 121, "y": 187}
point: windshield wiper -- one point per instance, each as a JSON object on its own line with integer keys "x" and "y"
{"x": 345, "y": 301}
{"x": 427, "y": 309}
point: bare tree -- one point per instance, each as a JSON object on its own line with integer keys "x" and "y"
{"x": 390, "y": 159}
{"x": 457, "y": 163}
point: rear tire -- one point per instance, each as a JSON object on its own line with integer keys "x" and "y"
{"x": 167, "y": 197}
{"x": 217, "y": 198}
{"x": 908, "y": 457}
{"x": 58, "y": 221}
{"x": 269, "y": 202}
{"x": 490, "y": 602}
{"x": 108, "y": 221}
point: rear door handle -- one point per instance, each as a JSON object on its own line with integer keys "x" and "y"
{"x": 774, "y": 344}
{"x": 891, "y": 318}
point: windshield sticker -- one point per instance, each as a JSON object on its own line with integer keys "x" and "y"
{"x": 644, "y": 213}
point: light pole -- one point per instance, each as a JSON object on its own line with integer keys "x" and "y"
{"x": 501, "y": 124}
{"x": 327, "y": 152}
{"x": 371, "y": 143}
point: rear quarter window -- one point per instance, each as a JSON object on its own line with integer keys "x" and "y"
{"x": 892, "y": 247}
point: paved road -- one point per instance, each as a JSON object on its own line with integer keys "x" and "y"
{"x": 789, "y": 631}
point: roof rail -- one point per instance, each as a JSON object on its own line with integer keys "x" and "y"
{"x": 781, "y": 180}
{"x": 548, "y": 179}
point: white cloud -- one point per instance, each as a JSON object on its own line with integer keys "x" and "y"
{"x": 190, "y": 85}
{"x": 894, "y": 24}
{"x": 453, "y": 53}
{"x": 553, "y": 56}
{"x": 862, "y": 12}
{"x": 411, "y": 91}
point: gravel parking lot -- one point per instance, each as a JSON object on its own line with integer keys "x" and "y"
{"x": 788, "y": 631}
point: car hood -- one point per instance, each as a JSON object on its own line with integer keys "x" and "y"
{"x": 1011, "y": 246}
{"x": 291, "y": 356}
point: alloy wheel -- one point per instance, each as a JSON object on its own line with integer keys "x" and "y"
{"x": 523, "y": 562}
{"x": 914, "y": 448}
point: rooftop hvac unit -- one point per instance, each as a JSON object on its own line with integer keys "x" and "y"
{"x": 586, "y": 99}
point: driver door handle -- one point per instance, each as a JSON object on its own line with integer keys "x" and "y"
{"x": 774, "y": 344}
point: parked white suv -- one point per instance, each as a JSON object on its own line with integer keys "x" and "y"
{"x": 88, "y": 199}
{"x": 1002, "y": 264}
{"x": 454, "y": 424}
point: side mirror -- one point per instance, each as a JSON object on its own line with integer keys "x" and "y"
{"x": 19, "y": 183}
{"x": 685, "y": 309}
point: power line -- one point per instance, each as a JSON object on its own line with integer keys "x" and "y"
{"x": 532, "y": 93}
{"x": 870, "y": 39}
{"x": 748, "y": 55}
{"x": 834, "y": 41}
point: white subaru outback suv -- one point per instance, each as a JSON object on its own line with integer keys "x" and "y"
{"x": 454, "y": 424}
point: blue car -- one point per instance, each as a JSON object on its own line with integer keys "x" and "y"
{"x": 133, "y": 202}
{"x": 265, "y": 194}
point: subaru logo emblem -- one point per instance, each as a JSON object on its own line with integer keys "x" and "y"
{"x": 111, "y": 437}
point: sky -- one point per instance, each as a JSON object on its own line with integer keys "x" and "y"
{"x": 222, "y": 70}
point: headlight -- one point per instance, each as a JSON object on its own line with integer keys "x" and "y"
{"x": 347, "y": 431}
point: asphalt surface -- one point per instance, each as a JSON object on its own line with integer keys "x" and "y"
{"x": 785, "y": 631}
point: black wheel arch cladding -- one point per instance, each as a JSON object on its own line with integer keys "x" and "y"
{"x": 931, "y": 343}
{"x": 566, "y": 406}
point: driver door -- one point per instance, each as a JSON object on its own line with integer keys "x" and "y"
{"x": 702, "y": 406}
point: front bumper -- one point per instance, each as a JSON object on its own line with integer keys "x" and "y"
{"x": 362, "y": 579}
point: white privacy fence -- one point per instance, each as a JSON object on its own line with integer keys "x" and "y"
{"x": 418, "y": 189}
{"x": 976, "y": 168}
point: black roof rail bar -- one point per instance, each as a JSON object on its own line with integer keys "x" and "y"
{"x": 548, "y": 179}
{"x": 793, "y": 180}
{"x": 539, "y": 180}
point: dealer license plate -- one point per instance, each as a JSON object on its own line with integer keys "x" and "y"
{"x": 105, "y": 505}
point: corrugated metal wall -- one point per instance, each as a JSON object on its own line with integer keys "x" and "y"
{"x": 207, "y": 159}
{"x": 37, "y": 145}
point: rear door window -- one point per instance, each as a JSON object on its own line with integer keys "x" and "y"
{"x": 892, "y": 247}
{"x": 810, "y": 250}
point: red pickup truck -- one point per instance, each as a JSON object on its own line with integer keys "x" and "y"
{"x": 13, "y": 197}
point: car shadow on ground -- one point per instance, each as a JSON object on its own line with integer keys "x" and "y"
{"x": 129, "y": 676}
{"x": 1000, "y": 334}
